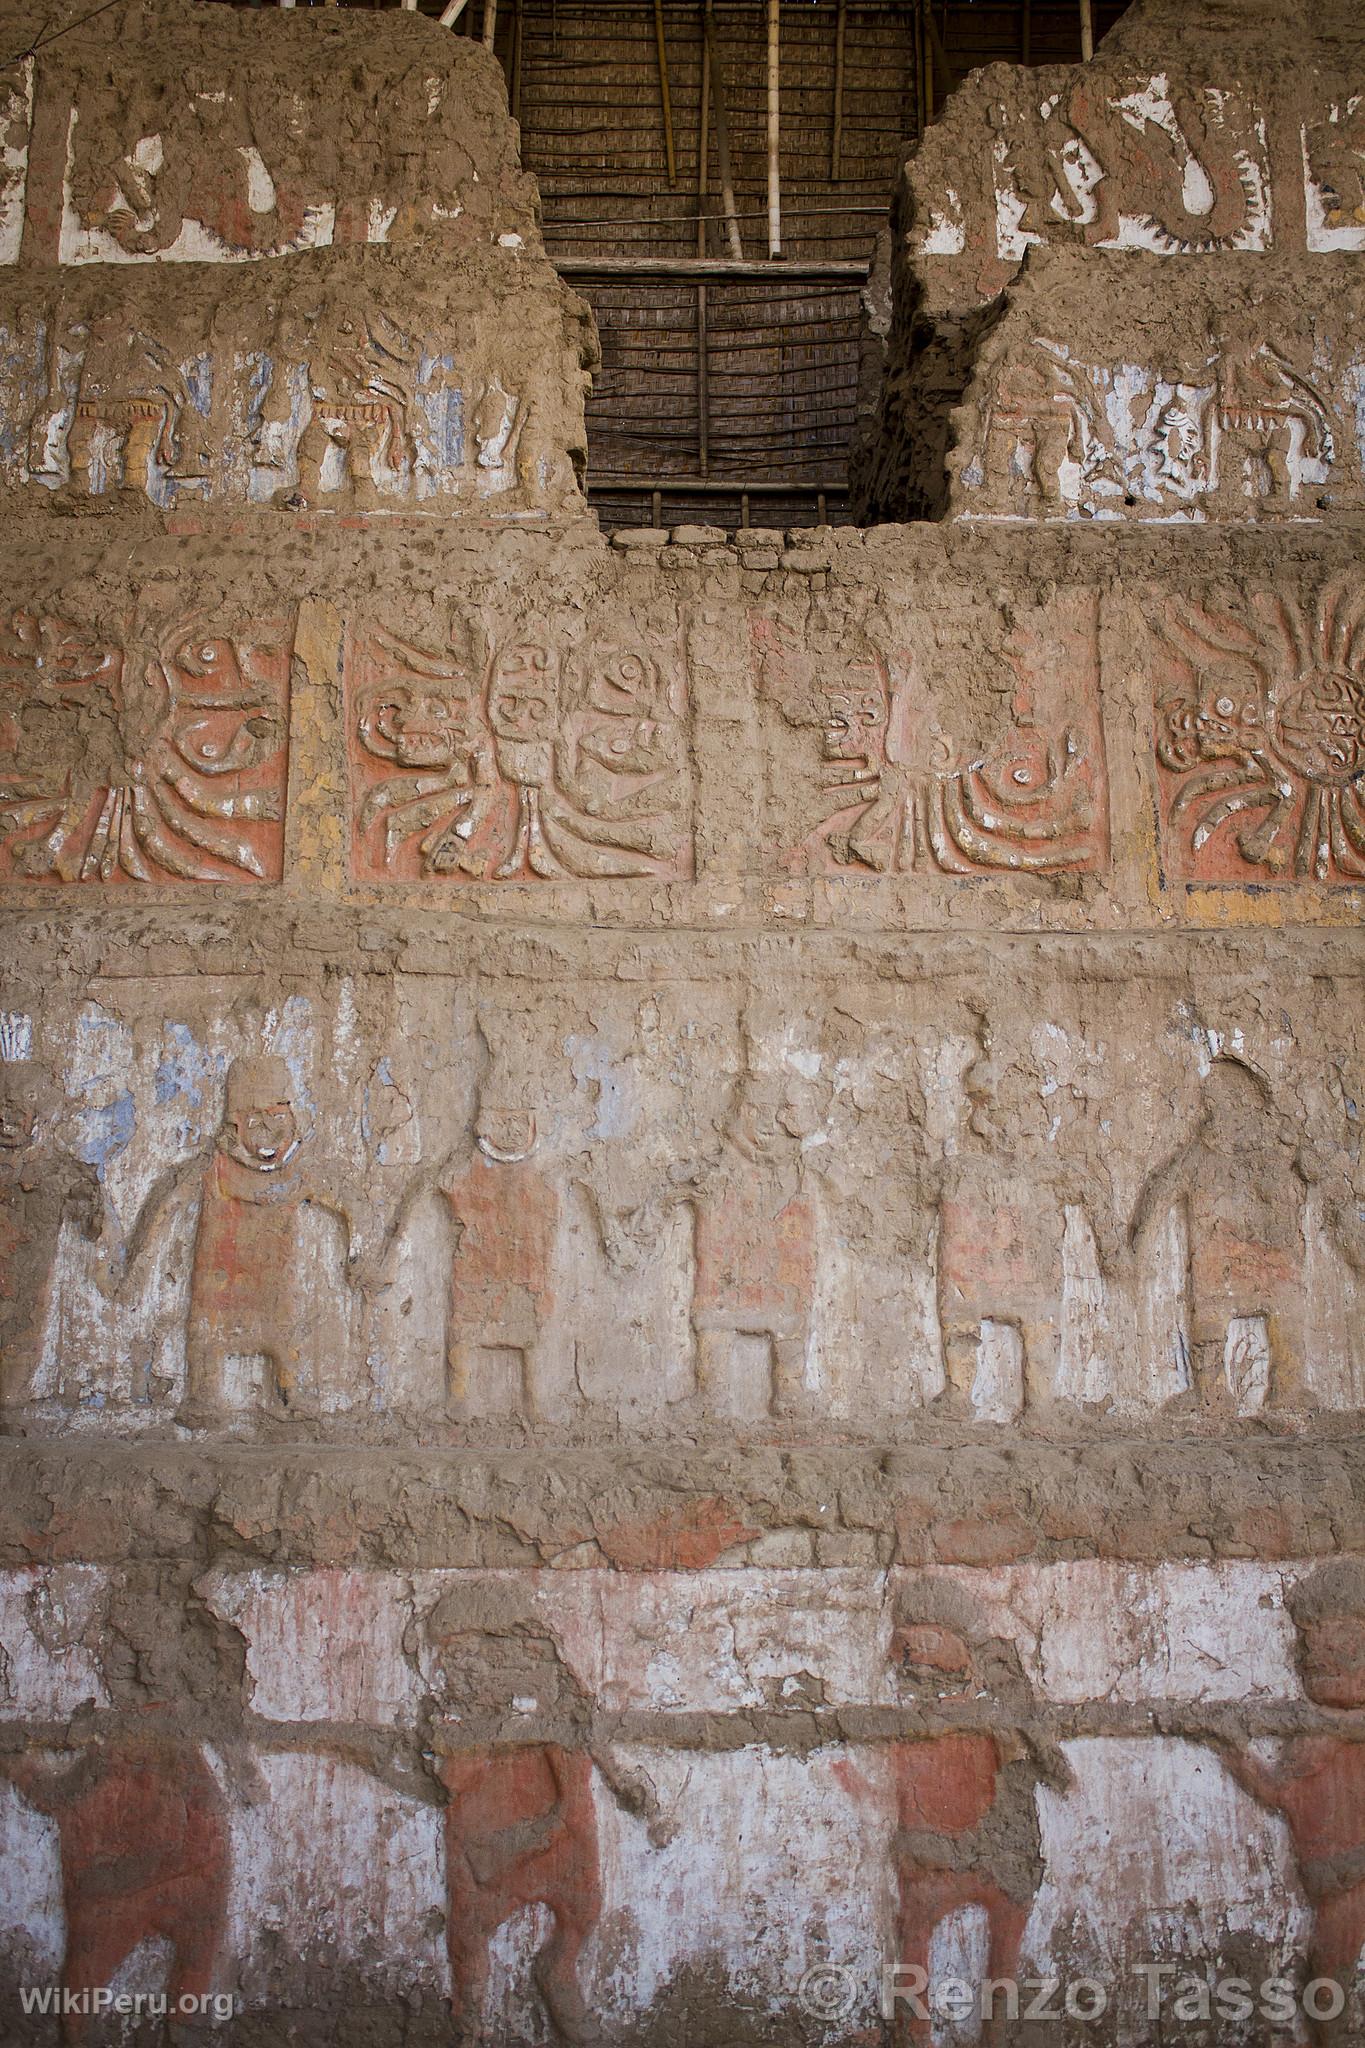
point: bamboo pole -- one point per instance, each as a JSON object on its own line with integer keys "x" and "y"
{"x": 926, "y": 44}
{"x": 774, "y": 127}
{"x": 703, "y": 388}
{"x": 703, "y": 138}
{"x": 490, "y": 22}
{"x": 836, "y": 140}
{"x": 917, "y": 22}
{"x": 1087, "y": 32}
{"x": 717, "y": 269}
{"x": 664, "y": 94}
{"x": 451, "y": 13}
{"x": 517, "y": 41}
{"x": 727, "y": 183}
{"x": 937, "y": 58}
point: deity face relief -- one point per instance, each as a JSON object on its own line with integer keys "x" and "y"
{"x": 506, "y": 1135}
{"x": 260, "y": 1129}
{"x": 1006, "y": 1106}
{"x": 418, "y": 724}
{"x": 765, "y": 1121}
{"x": 1332, "y": 1660}
{"x": 1239, "y": 1117}
{"x": 855, "y": 722}
{"x": 18, "y": 1118}
{"x": 522, "y": 704}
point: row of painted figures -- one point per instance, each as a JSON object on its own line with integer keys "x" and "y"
{"x": 332, "y": 409}
{"x": 995, "y": 1221}
{"x": 1247, "y": 432}
{"x": 145, "y": 1836}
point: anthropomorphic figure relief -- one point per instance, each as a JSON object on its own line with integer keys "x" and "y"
{"x": 228, "y": 175}
{"x": 1269, "y": 419}
{"x": 1032, "y": 424}
{"x": 1237, "y": 1189}
{"x": 1037, "y": 159}
{"x": 1336, "y": 155}
{"x": 1022, "y": 788}
{"x": 253, "y": 1283}
{"x": 41, "y": 1186}
{"x": 422, "y": 713}
{"x": 870, "y": 827}
{"x": 1002, "y": 1228}
{"x": 966, "y": 1821}
{"x": 518, "y": 1758}
{"x": 756, "y": 1232}
{"x": 517, "y": 760}
{"x": 129, "y": 404}
{"x": 505, "y": 1209}
{"x": 500, "y": 420}
{"x": 143, "y": 1837}
{"x": 1317, "y": 1781}
{"x": 360, "y": 384}
{"x": 359, "y": 372}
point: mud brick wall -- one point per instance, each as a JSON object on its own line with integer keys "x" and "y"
{"x": 682, "y": 1220}
{"x": 1193, "y": 139}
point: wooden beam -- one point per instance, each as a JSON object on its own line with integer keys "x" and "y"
{"x": 518, "y": 39}
{"x": 703, "y": 387}
{"x": 703, "y": 141}
{"x": 836, "y": 139}
{"x": 942, "y": 70}
{"x": 727, "y": 182}
{"x": 917, "y": 38}
{"x": 713, "y": 487}
{"x": 710, "y": 269}
{"x": 774, "y": 126}
{"x": 665, "y": 96}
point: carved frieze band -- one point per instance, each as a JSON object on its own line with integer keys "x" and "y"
{"x": 506, "y": 749}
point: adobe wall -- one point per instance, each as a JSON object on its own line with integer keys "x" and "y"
{"x": 682, "y": 1254}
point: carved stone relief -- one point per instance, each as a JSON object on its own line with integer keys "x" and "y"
{"x": 142, "y": 755}
{"x": 204, "y": 157}
{"x": 852, "y": 1216}
{"x": 1334, "y": 176}
{"x": 512, "y": 754}
{"x": 16, "y": 114}
{"x": 317, "y": 400}
{"x": 1011, "y": 779}
{"x": 1249, "y": 436}
{"x": 1260, "y": 738}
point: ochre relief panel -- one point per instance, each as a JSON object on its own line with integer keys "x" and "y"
{"x": 143, "y": 750}
{"x": 972, "y": 746}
